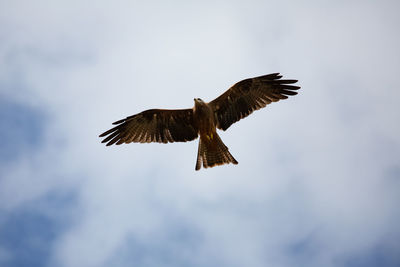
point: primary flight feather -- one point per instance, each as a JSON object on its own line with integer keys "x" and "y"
{"x": 181, "y": 125}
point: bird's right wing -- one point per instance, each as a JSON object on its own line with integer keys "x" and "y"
{"x": 249, "y": 95}
{"x": 154, "y": 125}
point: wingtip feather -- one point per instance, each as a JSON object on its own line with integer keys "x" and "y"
{"x": 118, "y": 122}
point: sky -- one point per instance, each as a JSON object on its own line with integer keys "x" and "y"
{"x": 318, "y": 179}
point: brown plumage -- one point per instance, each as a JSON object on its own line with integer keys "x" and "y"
{"x": 181, "y": 125}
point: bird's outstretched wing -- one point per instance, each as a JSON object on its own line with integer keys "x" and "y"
{"x": 249, "y": 95}
{"x": 154, "y": 125}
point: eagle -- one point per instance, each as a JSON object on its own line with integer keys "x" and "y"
{"x": 181, "y": 125}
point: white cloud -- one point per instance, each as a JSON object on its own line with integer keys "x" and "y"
{"x": 314, "y": 167}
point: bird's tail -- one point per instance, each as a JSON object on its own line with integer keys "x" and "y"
{"x": 212, "y": 151}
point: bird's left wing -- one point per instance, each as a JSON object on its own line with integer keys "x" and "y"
{"x": 248, "y": 95}
{"x": 154, "y": 125}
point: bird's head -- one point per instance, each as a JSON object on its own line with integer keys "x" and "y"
{"x": 198, "y": 101}
{"x": 199, "y": 104}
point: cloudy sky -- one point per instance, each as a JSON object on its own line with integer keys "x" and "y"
{"x": 318, "y": 180}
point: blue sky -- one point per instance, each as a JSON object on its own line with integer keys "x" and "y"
{"x": 318, "y": 180}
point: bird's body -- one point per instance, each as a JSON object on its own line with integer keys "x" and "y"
{"x": 203, "y": 117}
{"x": 212, "y": 151}
{"x": 163, "y": 126}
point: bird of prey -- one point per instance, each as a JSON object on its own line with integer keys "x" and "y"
{"x": 181, "y": 125}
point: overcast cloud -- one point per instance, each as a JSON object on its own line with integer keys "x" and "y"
{"x": 318, "y": 180}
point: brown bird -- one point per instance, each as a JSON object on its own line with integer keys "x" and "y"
{"x": 181, "y": 125}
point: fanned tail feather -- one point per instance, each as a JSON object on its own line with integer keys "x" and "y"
{"x": 212, "y": 152}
